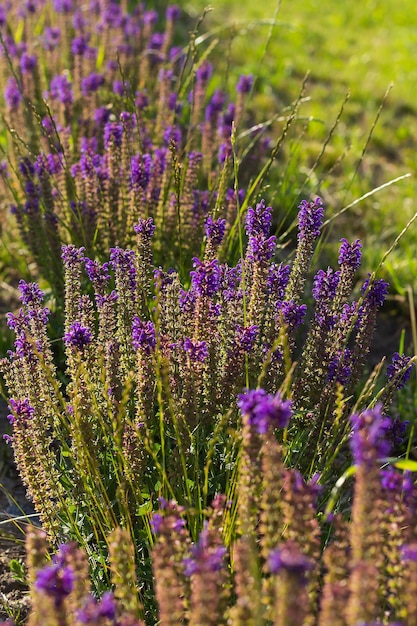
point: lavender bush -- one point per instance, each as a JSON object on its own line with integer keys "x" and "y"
{"x": 283, "y": 567}
{"x": 110, "y": 121}
{"x": 190, "y": 371}
{"x": 153, "y": 370}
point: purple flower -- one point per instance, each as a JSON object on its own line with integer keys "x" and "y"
{"x": 156, "y": 42}
{"x": 72, "y": 256}
{"x": 172, "y": 135}
{"x": 225, "y": 125}
{"x": 370, "y": 436}
{"x": 79, "y": 21}
{"x": 150, "y": 17}
{"x": 113, "y": 133}
{"x": 122, "y": 261}
{"x": 409, "y": 552}
{"x": 310, "y": 219}
{"x": 173, "y": 12}
{"x": 260, "y": 249}
{"x": 26, "y": 167}
{"x": 349, "y": 311}
{"x": 187, "y": 301}
{"x": 162, "y": 279}
{"x": 374, "y": 291}
{"x": 146, "y": 228}
{"x": 350, "y": 253}
{"x": 118, "y": 87}
{"x": 140, "y": 170}
{"x": 204, "y": 557}
{"x": 325, "y": 284}
{"x": 30, "y": 293}
{"x": 79, "y": 45}
{"x": 264, "y": 410}
{"x": 17, "y": 322}
{"x": 141, "y": 100}
{"x": 112, "y": 15}
{"x": 95, "y": 610}
{"x": 156, "y": 523}
{"x": 198, "y": 349}
{"x": 143, "y": 335}
{"x": 258, "y": 220}
{"x": 231, "y": 277}
{"x": 246, "y": 337}
{"x": 278, "y": 276}
{"x": 289, "y": 558}
{"x": 399, "y": 363}
{"x": 215, "y": 230}
{"x": 4, "y": 169}
{"x": 340, "y": 367}
{"x": 63, "y": 6}
{"x": 92, "y": 83}
{"x": 61, "y": 89}
{"x": 244, "y": 84}
{"x": 204, "y": 72}
{"x": 78, "y": 336}
{"x": 391, "y": 480}
{"x": 97, "y": 273}
{"x": 12, "y": 94}
{"x": 111, "y": 298}
{"x": 27, "y": 63}
{"x": 215, "y": 106}
{"x": 101, "y": 115}
{"x": 55, "y": 581}
{"x": 51, "y": 36}
{"x": 24, "y": 348}
{"x": 205, "y": 279}
{"x": 292, "y": 313}
{"x": 21, "y": 411}
{"x": 396, "y": 431}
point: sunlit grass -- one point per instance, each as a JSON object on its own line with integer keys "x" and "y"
{"x": 360, "y": 49}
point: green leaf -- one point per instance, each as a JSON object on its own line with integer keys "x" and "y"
{"x": 406, "y": 464}
{"x": 18, "y": 570}
{"x": 336, "y": 489}
{"x": 144, "y": 509}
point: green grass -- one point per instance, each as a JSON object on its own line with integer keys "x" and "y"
{"x": 360, "y": 48}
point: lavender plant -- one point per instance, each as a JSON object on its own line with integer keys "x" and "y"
{"x": 270, "y": 573}
{"x": 110, "y": 121}
{"x": 153, "y": 369}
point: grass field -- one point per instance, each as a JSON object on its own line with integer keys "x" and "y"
{"x": 363, "y": 49}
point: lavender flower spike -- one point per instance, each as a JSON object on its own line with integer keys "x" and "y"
{"x": 258, "y": 220}
{"x": 56, "y": 582}
{"x": 374, "y": 291}
{"x": 310, "y": 218}
{"x": 145, "y": 227}
{"x": 264, "y": 410}
{"x": 215, "y": 230}
{"x": 143, "y": 335}
{"x": 197, "y": 349}
{"x": 370, "y": 436}
{"x": 204, "y": 557}
{"x": 244, "y": 84}
{"x": 350, "y": 254}
{"x": 31, "y": 294}
{"x": 399, "y": 364}
{"x": 206, "y": 276}
{"x": 289, "y": 558}
{"x": 21, "y": 411}
{"x": 78, "y": 336}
